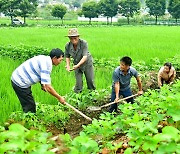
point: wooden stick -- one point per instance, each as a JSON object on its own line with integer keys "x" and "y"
{"x": 54, "y": 150}
{"x": 79, "y": 112}
{"x": 119, "y": 100}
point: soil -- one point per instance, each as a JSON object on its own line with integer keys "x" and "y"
{"x": 74, "y": 126}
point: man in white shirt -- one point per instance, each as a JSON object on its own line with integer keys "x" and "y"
{"x": 34, "y": 70}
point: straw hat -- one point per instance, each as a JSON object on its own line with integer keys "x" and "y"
{"x": 73, "y": 32}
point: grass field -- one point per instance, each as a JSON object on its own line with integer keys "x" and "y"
{"x": 139, "y": 42}
{"x": 62, "y": 81}
{"x": 52, "y": 22}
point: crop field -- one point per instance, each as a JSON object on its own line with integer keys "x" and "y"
{"x": 104, "y": 42}
{"x": 143, "y": 124}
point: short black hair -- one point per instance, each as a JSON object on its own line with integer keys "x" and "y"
{"x": 168, "y": 65}
{"x": 127, "y": 60}
{"x": 56, "y": 53}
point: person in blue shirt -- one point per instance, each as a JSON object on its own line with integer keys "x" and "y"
{"x": 121, "y": 82}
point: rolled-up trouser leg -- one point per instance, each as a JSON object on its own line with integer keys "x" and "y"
{"x": 89, "y": 74}
{"x": 25, "y": 97}
{"x": 79, "y": 81}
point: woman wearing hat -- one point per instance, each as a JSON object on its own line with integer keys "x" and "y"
{"x": 82, "y": 60}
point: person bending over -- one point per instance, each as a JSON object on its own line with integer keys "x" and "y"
{"x": 35, "y": 70}
{"x": 121, "y": 82}
{"x": 166, "y": 74}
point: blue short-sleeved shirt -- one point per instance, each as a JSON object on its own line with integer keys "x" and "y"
{"x": 124, "y": 80}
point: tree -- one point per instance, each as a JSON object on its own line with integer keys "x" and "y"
{"x": 174, "y": 9}
{"x": 9, "y": 7}
{"x": 128, "y": 7}
{"x": 89, "y": 10}
{"x": 108, "y": 8}
{"x": 59, "y": 11}
{"x": 76, "y": 4}
{"x": 156, "y": 7}
{"x": 26, "y": 8}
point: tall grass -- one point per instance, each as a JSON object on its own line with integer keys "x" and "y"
{"x": 140, "y": 42}
{"x": 52, "y": 22}
{"x": 8, "y": 100}
{"x": 62, "y": 81}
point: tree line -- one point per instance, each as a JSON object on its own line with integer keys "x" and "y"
{"x": 92, "y": 9}
{"x": 128, "y": 8}
{"x": 22, "y": 8}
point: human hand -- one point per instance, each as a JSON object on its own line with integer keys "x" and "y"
{"x": 43, "y": 87}
{"x": 62, "y": 100}
{"x": 140, "y": 92}
{"x": 75, "y": 67}
{"x": 68, "y": 68}
{"x": 116, "y": 99}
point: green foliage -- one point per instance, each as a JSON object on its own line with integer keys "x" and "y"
{"x": 59, "y": 11}
{"x": 9, "y": 8}
{"x": 174, "y": 8}
{"x": 156, "y": 7}
{"x": 46, "y": 115}
{"x": 90, "y": 10}
{"x": 142, "y": 122}
{"x": 26, "y": 8}
{"x": 108, "y": 8}
{"x": 174, "y": 61}
{"x": 86, "y": 98}
{"x": 22, "y": 52}
{"x": 14, "y": 8}
{"x": 81, "y": 144}
{"x": 102, "y": 130}
{"x": 129, "y": 7}
{"x": 57, "y": 115}
{"x": 18, "y": 139}
{"x": 28, "y": 120}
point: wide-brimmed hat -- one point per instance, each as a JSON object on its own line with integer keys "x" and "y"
{"x": 73, "y": 32}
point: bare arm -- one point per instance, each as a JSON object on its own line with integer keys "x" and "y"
{"x": 159, "y": 80}
{"x": 68, "y": 64}
{"x": 172, "y": 77}
{"x": 53, "y": 92}
{"x": 84, "y": 58}
{"x": 138, "y": 79}
{"x": 117, "y": 88}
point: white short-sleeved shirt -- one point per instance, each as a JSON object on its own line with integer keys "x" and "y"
{"x": 36, "y": 69}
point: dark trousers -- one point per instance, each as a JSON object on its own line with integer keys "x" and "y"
{"x": 164, "y": 81}
{"x": 125, "y": 93}
{"x": 25, "y": 97}
{"x": 89, "y": 74}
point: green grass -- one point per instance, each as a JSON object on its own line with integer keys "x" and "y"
{"x": 52, "y": 22}
{"x": 8, "y": 101}
{"x": 139, "y": 42}
{"x": 62, "y": 81}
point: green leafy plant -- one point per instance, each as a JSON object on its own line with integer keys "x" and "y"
{"x": 18, "y": 139}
